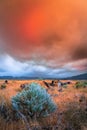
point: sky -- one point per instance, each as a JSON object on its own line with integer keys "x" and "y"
{"x": 43, "y": 38}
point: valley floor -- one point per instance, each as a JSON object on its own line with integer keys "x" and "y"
{"x": 63, "y": 99}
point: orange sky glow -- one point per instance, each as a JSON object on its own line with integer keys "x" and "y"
{"x": 45, "y": 30}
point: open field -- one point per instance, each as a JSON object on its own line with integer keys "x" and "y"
{"x": 67, "y": 99}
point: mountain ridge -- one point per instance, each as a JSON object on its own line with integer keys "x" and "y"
{"x": 77, "y": 77}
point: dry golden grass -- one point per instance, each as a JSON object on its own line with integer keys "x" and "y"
{"x": 69, "y": 94}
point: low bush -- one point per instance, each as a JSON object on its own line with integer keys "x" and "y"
{"x": 81, "y": 84}
{"x": 64, "y": 86}
{"x": 3, "y": 86}
{"x": 33, "y": 101}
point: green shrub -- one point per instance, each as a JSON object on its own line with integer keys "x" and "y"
{"x": 33, "y": 102}
{"x": 64, "y": 86}
{"x": 81, "y": 84}
{"x": 3, "y": 86}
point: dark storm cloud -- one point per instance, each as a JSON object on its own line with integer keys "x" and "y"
{"x": 12, "y": 67}
{"x": 80, "y": 52}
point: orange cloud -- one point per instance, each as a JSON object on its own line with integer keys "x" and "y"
{"x": 44, "y": 29}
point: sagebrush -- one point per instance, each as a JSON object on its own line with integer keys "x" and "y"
{"x": 33, "y": 102}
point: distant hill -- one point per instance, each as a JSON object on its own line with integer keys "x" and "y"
{"x": 79, "y": 77}
{"x": 17, "y": 78}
